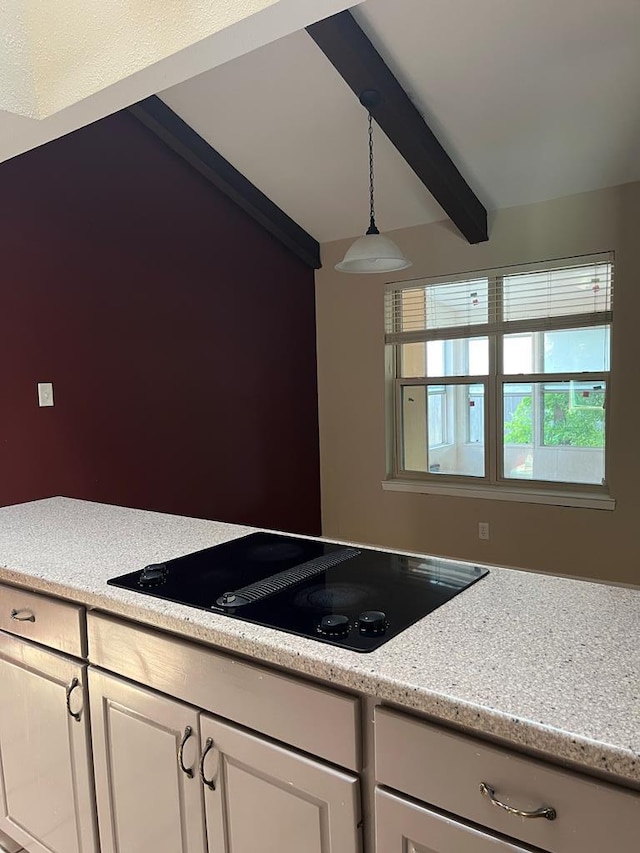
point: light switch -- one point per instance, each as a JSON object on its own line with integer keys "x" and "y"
{"x": 45, "y": 393}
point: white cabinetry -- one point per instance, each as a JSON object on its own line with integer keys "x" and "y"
{"x": 173, "y": 780}
{"x": 307, "y": 716}
{"x": 260, "y": 796}
{"x": 489, "y": 786}
{"x": 46, "y": 784}
{"x": 197, "y": 751}
{"x": 145, "y": 801}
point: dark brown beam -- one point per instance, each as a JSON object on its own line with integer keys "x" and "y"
{"x": 181, "y": 138}
{"x": 349, "y": 50}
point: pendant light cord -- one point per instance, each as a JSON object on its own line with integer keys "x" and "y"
{"x": 372, "y": 216}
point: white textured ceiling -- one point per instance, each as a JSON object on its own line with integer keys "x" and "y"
{"x": 68, "y": 50}
{"x": 65, "y": 64}
{"x": 533, "y": 99}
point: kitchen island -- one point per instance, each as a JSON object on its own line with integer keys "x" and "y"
{"x": 546, "y": 665}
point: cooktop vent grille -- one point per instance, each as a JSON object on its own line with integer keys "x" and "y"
{"x": 284, "y": 580}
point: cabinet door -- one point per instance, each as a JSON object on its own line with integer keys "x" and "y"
{"x": 145, "y": 750}
{"x": 403, "y": 827}
{"x": 46, "y": 782}
{"x": 271, "y": 799}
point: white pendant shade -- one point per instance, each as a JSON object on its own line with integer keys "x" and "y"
{"x": 373, "y": 253}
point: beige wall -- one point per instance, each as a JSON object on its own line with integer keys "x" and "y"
{"x": 583, "y": 542}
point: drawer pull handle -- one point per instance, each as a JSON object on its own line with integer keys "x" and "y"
{"x": 544, "y": 811}
{"x": 185, "y": 737}
{"x": 71, "y": 687}
{"x": 23, "y": 616}
{"x": 207, "y": 748}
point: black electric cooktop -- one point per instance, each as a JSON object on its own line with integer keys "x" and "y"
{"x": 356, "y": 598}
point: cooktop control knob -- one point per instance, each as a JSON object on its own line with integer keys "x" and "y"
{"x": 334, "y": 625}
{"x": 372, "y": 622}
{"x": 153, "y": 575}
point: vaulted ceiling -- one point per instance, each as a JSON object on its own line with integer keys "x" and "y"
{"x": 533, "y": 100}
{"x": 65, "y": 64}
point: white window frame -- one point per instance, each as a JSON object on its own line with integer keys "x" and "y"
{"x": 494, "y": 484}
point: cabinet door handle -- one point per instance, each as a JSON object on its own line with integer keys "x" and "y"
{"x": 23, "y": 615}
{"x": 185, "y": 737}
{"x": 207, "y": 748}
{"x": 71, "y": 687}
{"x": 544, "y": 811}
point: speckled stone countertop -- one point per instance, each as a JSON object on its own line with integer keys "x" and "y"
{"x": 549, "y": 664}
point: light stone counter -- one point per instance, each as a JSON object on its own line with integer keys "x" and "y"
{"x": 549, "y": 664}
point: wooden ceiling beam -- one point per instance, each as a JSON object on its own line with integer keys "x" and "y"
{"x": 183, "y": 139}
{"x": 355, "y": 58}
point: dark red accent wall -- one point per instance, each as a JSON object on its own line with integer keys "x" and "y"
{"x": 179, "y": 335}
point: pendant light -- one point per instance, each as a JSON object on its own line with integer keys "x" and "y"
{"x": 374, "y": 252}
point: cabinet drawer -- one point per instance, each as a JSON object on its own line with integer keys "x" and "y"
{"x": 310, "y": 717}
{"x": 445, "y": 769}
{"x": 403, "y": 826}
{"x": 44, "y": 620}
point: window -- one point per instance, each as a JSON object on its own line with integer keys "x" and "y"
{"x": 501, "y": 377}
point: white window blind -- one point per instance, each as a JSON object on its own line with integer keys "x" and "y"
{"x": 554, "y": 295}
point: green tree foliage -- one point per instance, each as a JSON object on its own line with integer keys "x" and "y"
{"x": 519, "y": 430}
{"x": 569, "y": 420}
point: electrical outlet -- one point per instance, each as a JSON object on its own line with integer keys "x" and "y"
{"x": 483, "y": 530}
{"x": 45, "y": 393}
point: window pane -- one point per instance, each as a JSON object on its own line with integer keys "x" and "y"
{"x": 566, "y": 350}
{"x": 460, "y": 357}
{"x": 576, "y": 350}
{"x": 478, "y": 361}
{"x": 437, "y": 306}
{"x": 517, "y": 353}
{"x": 554, "y": 431}
{"x": 517, "y": 414}
{"x": 573, "y": 414}
{"x": 557, "y": 293}
{"x": 413, "y": 429}
{"x": 436, "y": 414}
{"x": 413, "y": 360}
{"x": 436, "y": 358}
{"x": 460, "y": 303}
{"x": 476, "y": 414}
{"x": 435, "y": 426}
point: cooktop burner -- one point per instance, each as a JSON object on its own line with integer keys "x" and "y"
{"x": 357, "y": 598}
{"x": 334, "y": 599}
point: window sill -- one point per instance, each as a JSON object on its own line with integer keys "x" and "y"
{"x": 503, "y": 493}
